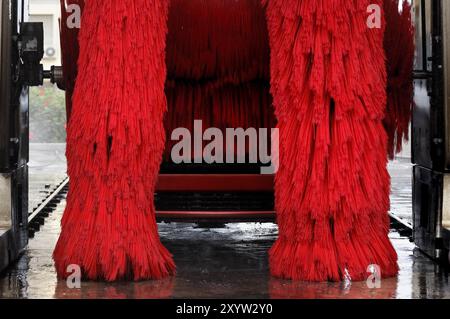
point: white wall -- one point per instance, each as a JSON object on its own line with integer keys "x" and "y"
{"x": 48, "y": 11}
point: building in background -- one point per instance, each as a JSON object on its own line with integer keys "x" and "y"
{"x": 47, "y": 103}
{"x": 48, "y": 12}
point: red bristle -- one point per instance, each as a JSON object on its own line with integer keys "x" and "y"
{"x": 332, "y": 187}
{"x": 115, "y": 140}
{"x": 217, "y": 42}
{"x": 218, "y": 66}
{"x": 399, "y": 47}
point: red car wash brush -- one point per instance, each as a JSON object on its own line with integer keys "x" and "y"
{"x": 399, "y": 47}
{"x": 328, "y": 81}
{"x": 217, "y": 66}
{"x": 115, "y": 140}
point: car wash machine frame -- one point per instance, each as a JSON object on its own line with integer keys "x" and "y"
{"x": 21, "y": 50}
{"x": 431, "y": 129}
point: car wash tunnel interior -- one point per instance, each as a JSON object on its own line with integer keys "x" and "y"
{"x": 218, "y": 219}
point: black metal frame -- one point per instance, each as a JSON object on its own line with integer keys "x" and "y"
{"x": 14, "y": 130}
{"x": 429, "y": 133}
{"x": 428, "y": 147}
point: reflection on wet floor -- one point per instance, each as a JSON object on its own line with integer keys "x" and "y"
{"x": 401, "y": 189}
{"x": 229, "y": 262}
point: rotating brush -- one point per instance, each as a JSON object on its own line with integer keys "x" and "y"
{"x": 115, "y": 141}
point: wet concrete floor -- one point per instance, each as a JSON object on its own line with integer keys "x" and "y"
{"x": 47, "y": 168}
{"x": 229, "y": 262}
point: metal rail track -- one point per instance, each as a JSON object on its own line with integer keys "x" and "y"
{"x": 37, "y": 217}
{"x": 49, "y": 204}
{"x": 404, "y": 228}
